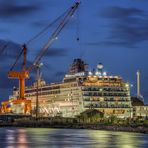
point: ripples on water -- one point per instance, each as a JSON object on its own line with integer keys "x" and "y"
{"x": 67, "y": 138}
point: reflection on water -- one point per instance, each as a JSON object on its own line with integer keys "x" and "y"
{"x": 67, "y": 138}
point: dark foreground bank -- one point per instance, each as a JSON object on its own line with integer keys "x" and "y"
{"x": 95, "y": 126}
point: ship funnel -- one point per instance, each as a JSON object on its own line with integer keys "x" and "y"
{"x": 100, "y": 68}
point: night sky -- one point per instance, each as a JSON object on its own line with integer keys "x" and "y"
{"x": 114, "y": 32}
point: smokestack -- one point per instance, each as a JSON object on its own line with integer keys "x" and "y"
{"x": 138, "y": 84}
{"x": 100, "y": 68}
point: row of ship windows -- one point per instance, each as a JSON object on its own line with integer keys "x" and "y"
{"x": 141, "y": 108}
{"x": 105, "y": 94}
{"x": 70, "y": 92}
{"x": 47, "y": 89}
{"x": 106, "y": 106}
{"x": 43, "y": 93}
{"x": 104, "y": 89}
{"x": 63, "y": 99}
{"x": 74, "y": 85}
{"x": 84, "y": 94}
{"x": 105, "y": 79}
{"x": 68, "y": 85}
{"x": 53, "y": 95}
{"x": 107, "y": 99}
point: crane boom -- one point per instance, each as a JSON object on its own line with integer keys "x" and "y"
{"x": 55, "y": 34}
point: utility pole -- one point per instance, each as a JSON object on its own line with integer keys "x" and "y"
{"x": 38, "y": 66}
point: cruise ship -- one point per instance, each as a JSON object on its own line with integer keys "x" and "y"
{"x": 80, "y": 90}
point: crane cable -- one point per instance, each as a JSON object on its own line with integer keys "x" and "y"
{"x": 54, "y": 35}
{"x": 44, "y": 29}
{"x": 77, "y": 27}
{"x": 12, "y": 67}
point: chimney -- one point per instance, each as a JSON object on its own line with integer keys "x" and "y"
{"x": 138, "y": 84}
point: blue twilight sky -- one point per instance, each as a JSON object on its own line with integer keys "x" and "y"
{"x": 114, "y": 32}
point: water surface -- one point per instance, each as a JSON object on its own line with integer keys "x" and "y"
{"x": 67, "y": 138}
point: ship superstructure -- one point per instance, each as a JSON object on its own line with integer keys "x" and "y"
{"x": 81, "y": 90}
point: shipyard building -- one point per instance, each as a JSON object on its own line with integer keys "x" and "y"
{"x": 80, "y": 90}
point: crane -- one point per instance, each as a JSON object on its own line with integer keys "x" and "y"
{"x": 21, "y": 75}
{"x": 24, "y": 73}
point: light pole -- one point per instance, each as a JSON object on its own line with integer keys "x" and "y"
{"x": 38, "y": 66}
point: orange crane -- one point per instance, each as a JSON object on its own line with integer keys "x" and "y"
{"x": 21, "y": 100}
{"x": 21, "y": 75}
{"x": 24, "y": 73}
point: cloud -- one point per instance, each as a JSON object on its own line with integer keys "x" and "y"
{"x": 120, "y": 12}
{"x": 9, "y": 50}
{"x": 3, "y": 30}
{"x": 128, "y": 26}
{"x": 56, "y": 52}
{"x": 40, "y": 23}
{"x": 14, "y": 8}
{"x": 51, "y": 52}
{"x": 108, "y": 43}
